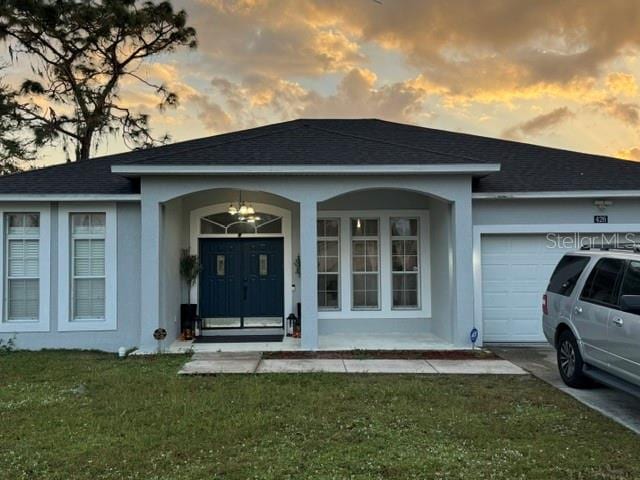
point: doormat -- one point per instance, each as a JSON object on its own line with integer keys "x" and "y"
{"x": 238, "y": 338}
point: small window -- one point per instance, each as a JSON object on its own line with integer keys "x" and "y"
{"x": 404, "y": 262}
{"x": 328, "y": 263}
{"x": 88, "y": 266}
{"x": 603, "y": 281}
{"x": 365, "y": 264}
{"x": 566, "y": 275}
{"x": 22, "y": 266}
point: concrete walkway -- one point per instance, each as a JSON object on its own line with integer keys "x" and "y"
{"x": 541, "y": 362}
{"x": 232, "y": 362}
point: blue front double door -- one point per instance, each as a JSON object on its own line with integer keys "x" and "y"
{"x": 241, "y": 282}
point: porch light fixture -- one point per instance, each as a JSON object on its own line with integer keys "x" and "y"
{"x": 245, "y": 213}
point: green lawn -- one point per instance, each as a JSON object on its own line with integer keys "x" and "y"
{"x": 83, "y": 415}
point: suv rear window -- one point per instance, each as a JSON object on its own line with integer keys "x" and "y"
{"x": 603, "y": 281}
{"x": 566, "y": 275}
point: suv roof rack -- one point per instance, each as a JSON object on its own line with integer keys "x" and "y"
{"x": 624, "y": 247}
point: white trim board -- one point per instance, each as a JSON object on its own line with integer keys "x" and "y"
{"x": 69, "y": 197}
{"x": 110, "y": 322}
{"x": 388, "y": 169}
{"x": 479, "y": 230}
{"x": 564, "y": 194}
{"x": 44, "y": 258}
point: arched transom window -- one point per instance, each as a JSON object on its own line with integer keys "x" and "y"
{"x": 225, "y": 223}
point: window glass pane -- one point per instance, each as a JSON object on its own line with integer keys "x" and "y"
{"x": 404, "y": 227}
{"x": 81, "y": 223}
{"x": 23, "y": 224}
{"x": 602, "y": 281}
{"x": 404, "y": 262}
{"x": 88, "y": 298}
{"x": 271, "y": 227}
{"x": 210, "y": 228}
{"x": 328, "y": 263}
{"x": 364, "y": 227}
{"x": 631, "y": 283}
{"x": 23, "y": 299}
{"x": 241, "y": 227}
{"x": 566, "y": 274}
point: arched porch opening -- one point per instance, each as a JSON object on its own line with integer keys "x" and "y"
{"x": 394, "y": 282}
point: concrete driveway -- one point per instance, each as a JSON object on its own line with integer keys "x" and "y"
{"x": 541, "y": 362}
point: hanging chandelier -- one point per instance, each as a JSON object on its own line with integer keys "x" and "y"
{"x": 244, "y": 212}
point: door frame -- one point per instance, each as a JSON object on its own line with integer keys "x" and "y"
{"x": 195, "y": 236}
{"x": 480, "y": 230}
{"x": 242, "y": 325}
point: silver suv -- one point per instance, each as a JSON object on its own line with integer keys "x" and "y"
{"x": 591, "y": 315}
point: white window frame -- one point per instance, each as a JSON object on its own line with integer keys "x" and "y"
{"x": 337, "y": 239}
{"x": 42, "y": 323}
{"x": 417, "y": 273}
{"x": 386, "y": 301}
{"x": 66, "y": 323}
{"x": 365, "y": 238}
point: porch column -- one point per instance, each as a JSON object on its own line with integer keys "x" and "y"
{"x": 463, "y": 269}
{"x": 308, "y": 274}
{"x": 150, "y": 272}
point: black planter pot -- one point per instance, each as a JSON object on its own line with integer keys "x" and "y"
{"x": 188, "y": 313}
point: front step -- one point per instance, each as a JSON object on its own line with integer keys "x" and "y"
{"x": 612, "y": 381}
{"x": 246, "y": 335}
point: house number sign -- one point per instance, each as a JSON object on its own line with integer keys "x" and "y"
{"x": 601, "y": 219}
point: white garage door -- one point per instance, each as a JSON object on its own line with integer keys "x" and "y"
{"x": 515, "y": 273}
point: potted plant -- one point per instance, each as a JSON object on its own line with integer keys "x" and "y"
{"x": 189, "y": 270}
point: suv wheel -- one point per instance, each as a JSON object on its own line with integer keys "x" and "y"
{"x": 570, "y": 362}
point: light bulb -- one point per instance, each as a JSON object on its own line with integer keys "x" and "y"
{"x": 250, "y": 210}
{"x": 232, "y": 210}
{"x": 243, "y": 209}
{"x": 358, "y": 225}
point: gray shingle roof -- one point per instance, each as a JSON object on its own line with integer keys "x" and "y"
{"x": 525, "y": 167}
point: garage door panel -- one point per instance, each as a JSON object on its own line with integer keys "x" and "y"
{"x": 515, "y": 273}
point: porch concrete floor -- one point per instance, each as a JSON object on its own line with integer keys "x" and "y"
{"x": 326, "y": 342}
{"x": 234, "y": 362}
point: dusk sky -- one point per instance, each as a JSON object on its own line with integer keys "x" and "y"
{"x": 557, "y": 73}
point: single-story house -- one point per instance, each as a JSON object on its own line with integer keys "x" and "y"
{"x": 375, "y": 229}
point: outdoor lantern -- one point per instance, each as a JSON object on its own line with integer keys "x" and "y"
{"x": 291, "y": 321}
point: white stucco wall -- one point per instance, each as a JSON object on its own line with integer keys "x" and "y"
{"x": 308, "y": 194}
{"x": 553, "y": 211}
{"x": 127, "y": 333}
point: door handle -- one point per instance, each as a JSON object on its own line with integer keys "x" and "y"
{"x": 244, "y": 292}
{"x": 578, "y": 309}
{"x": 618, "y": 321}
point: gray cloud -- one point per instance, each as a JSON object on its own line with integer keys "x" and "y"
{"x": 538, "y": 124}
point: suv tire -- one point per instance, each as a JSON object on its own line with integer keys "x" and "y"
{"x": 570, "y": 363}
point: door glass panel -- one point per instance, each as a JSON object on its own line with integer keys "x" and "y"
{"x": 264, "y": 262}
{"x": 220, "y": 265}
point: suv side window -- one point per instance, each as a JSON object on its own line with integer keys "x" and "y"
{"x": 566, "y": 274}
{"x": 603, "y": 281}
{"x": 631, "y": 282}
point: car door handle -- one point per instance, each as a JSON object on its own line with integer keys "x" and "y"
{"x": 618, "y": 321}
{"x": 578, "y": 309}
